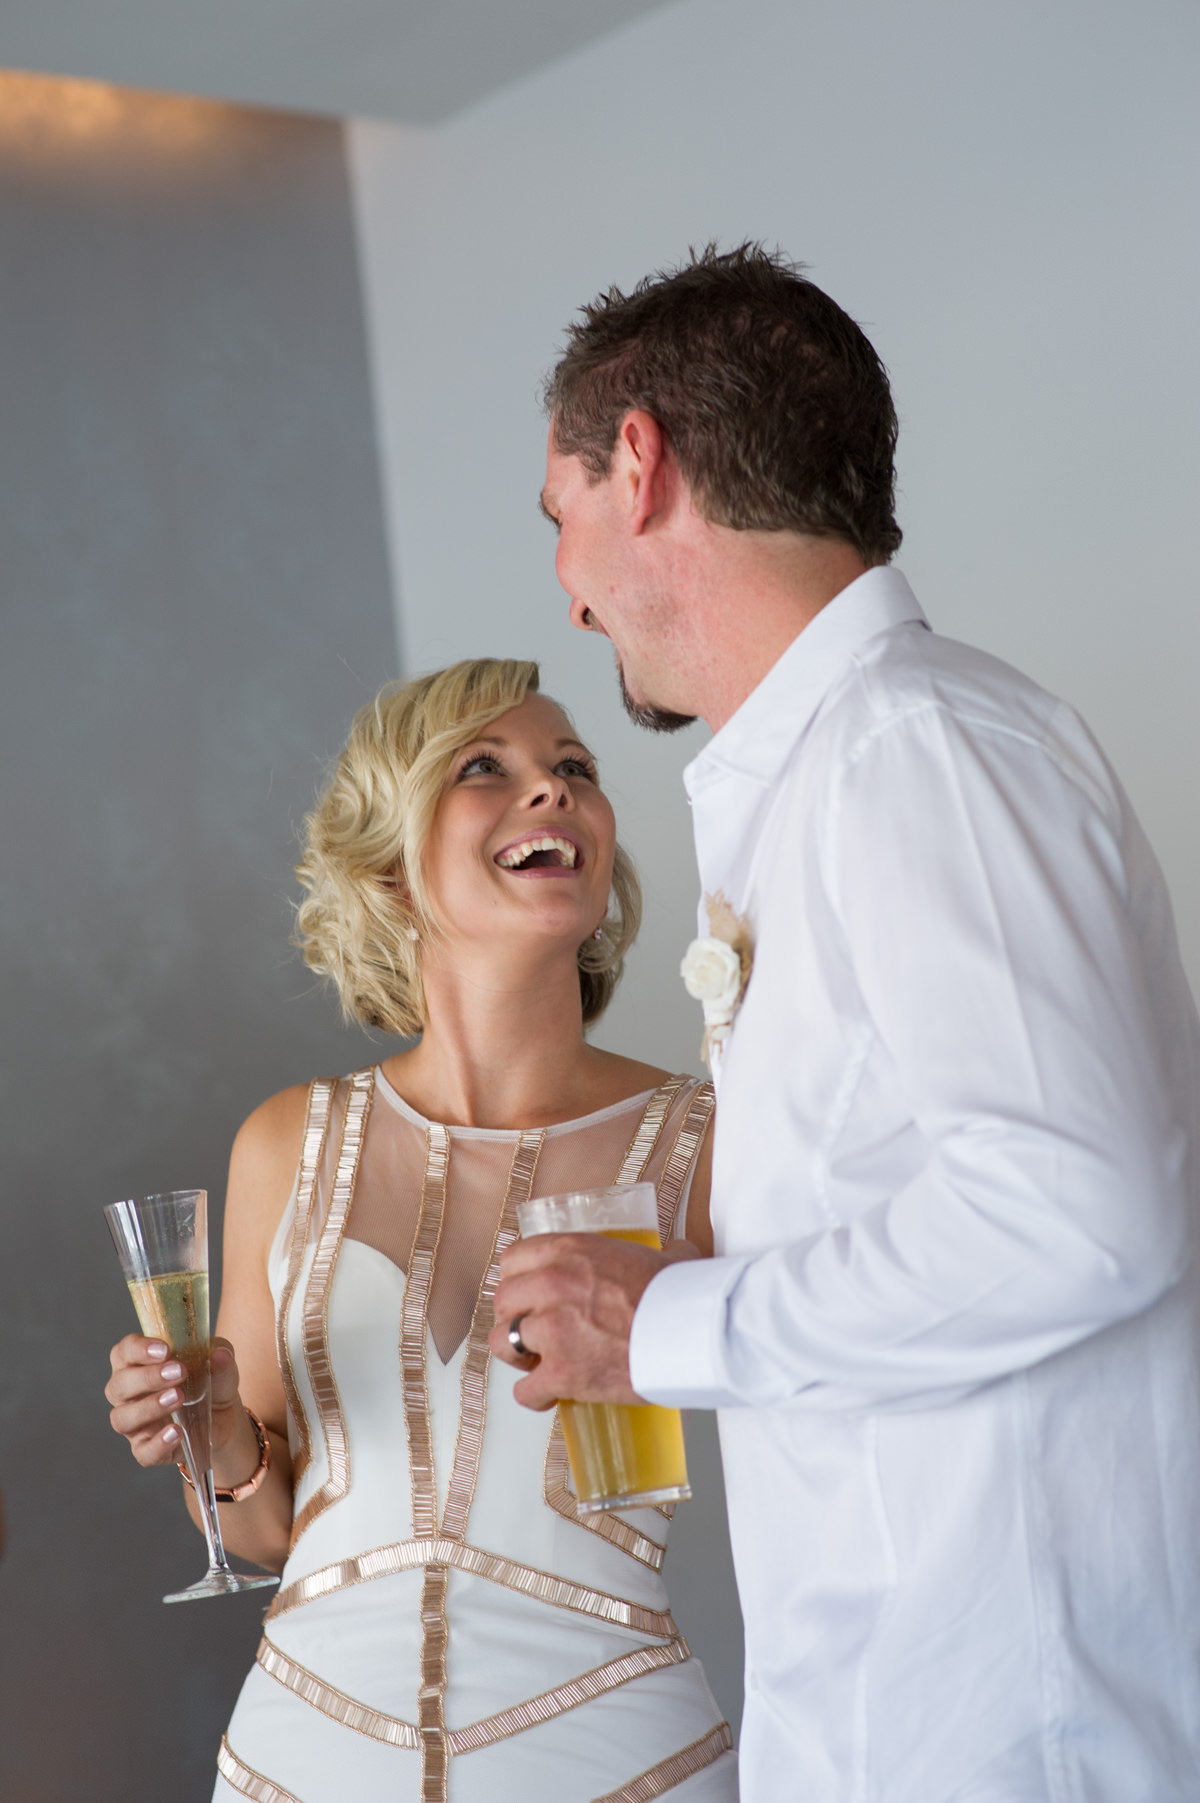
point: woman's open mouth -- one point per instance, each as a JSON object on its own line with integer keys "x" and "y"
{"x": 541, "y": 851}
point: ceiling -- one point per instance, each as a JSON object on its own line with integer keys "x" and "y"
{"x": 416, "y": 61}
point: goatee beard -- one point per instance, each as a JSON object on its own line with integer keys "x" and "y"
{"x": 654, "y": 719}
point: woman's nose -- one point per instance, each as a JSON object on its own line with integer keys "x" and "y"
{"x": 549, "y": 790}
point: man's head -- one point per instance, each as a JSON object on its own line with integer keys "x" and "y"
{"x": 771, "y": 403}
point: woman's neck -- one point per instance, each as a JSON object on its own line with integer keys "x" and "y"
{"x": 503, "y": 1047}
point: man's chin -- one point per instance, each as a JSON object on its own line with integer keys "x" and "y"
{"x": 644, "y": 713}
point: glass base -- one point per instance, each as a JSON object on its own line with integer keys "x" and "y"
{"x": 220, "y": 1583}
{"x": 635, "y": 1499}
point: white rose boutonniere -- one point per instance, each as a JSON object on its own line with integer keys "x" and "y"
{"x": 716, "y": 970}
{"x": 712, "y": 972}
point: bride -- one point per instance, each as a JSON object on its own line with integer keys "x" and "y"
{"x": 447, "y": 1626}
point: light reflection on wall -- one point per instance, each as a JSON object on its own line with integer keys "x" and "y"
{"x": 47, "y": 122}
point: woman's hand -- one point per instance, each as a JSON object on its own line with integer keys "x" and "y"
{"x": 147, "y": 1384}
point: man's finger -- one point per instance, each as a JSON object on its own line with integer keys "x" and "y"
{"x": 501, "y": 1344}
{"x": 533, "y": 1392}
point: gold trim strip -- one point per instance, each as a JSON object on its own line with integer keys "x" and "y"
{"x": 413, "y": 1377}
{"x": 468, "y": 1448}
{"x": 316, "y": 1125}
{"x": 669, "y": 1772}
{"x": 335, "y": 1703}
{"x": 596, "y": 1683}
{"x": 316, "y": 1306}
{"x": 682, "y": 1157}
{"x": 607, "y": 1524}
{"x": 409, "y": 1555}
{"x": 246, "y": 1782}
{"x": 431, "y": 1698}
{"x": 641, "y": 1146}
{"x": 394, "y": 1732}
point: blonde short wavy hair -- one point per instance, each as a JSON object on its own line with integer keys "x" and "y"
{"x": 365, "y": 842}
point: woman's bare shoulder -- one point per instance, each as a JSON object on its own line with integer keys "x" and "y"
{"x": 276, "y": 1123}
{"x": 620, "y": 1077}
{"x": 266, "y": 1153}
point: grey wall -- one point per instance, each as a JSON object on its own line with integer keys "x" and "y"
{"x": 193, "y": 598}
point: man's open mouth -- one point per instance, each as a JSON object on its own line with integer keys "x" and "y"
{"x": 542, "y": 851}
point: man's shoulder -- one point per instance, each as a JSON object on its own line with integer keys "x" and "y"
{"x": 903, "y": 673}
{"x": 912, "y": 689}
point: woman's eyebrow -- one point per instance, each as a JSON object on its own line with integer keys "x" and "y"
{"x": 488, "y": 738}
{"x": 493, "y": 742}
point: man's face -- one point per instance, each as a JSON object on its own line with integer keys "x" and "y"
{"x": 609, "y": 586}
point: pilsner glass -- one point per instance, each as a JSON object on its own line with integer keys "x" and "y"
{"x": 622, "y": 1454}
{"x": 162, "y": 1243}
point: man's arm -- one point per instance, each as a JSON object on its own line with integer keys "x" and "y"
{"x": 994, "y": 910}
{"x": 1012, "y": 944}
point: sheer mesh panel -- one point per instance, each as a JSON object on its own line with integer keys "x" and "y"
{"x": 387, "y": 1199}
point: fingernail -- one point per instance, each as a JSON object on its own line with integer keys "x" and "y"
{"x": 171, "y": 1373}
{"x": 168, "y": 1399}
{"x": 170, "y": 1435}
{"x": 157, "y": 1349}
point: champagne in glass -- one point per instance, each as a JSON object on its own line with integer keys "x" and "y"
{"x": 162, "y": 1243}
{"x": 622, "y": 1455}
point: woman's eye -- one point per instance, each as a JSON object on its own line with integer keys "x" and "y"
{"x": 578, "y": 767}
{"x": 483, "y": 765}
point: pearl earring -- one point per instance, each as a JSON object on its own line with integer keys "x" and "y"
{"x": 413, "y": 933}
{"x": 599, "y": 933}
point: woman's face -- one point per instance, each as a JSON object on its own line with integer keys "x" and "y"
{"x": 522, "y": 842}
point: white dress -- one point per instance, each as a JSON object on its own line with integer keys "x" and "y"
{"x": 448, "y": 1629}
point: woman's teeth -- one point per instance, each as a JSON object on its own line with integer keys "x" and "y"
{"x": 517, "y": 854}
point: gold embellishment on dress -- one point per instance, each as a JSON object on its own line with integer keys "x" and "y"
{"x": 316, "y": 1307}
{"x": 601, "y": 1679}
{"x": 609, "y": 1524}
{"x": 477, "y": 1363}
{"x": 394, "y": 1732}
{"x": 682, "y": 1157}
{"x": 408, "y": 1555}
{"x": 335, "y": 1703}
{"x": 431, "y": 1718}
{"x": 316, "y": 1125}
{"x": 670, "y": 1772}
{"x": 246, "y": 1782}
{"x": 642, "y": 1145}
{"x": 412, "y": 1331}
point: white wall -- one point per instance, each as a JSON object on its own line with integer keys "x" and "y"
{"x": 1003, "y": 195}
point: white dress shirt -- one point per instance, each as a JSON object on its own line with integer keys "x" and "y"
{"x": 953, "y": 1327}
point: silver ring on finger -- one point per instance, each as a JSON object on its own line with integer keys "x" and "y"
{"x": 516, "y": 1342}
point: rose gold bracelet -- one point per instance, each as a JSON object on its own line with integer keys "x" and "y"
{"x": 240, "y": 1492}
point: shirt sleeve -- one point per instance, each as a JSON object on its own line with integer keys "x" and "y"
{"x": 995, "y": 905}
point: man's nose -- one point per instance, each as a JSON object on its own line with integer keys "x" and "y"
{"x": 583, "y": 617}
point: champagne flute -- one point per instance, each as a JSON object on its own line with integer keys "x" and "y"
{"x": 162, "y": 1243}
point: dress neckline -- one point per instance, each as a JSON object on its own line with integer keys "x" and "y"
{"x": 396, "y": 1101}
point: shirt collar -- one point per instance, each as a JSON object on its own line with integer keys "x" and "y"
{"x": 755, "y": 741}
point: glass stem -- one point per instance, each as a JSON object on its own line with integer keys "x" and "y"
{"x": 206, "y": 1494}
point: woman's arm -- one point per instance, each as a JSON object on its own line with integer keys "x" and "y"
{"x": 263, "y": 1164}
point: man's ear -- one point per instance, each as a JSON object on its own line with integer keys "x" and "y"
{"x": 643, "y": 461}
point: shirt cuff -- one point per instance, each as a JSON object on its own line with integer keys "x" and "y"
{"x": 677, "y": 1346}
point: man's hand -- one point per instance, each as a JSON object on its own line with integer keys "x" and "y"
{"x": 575, "y": 1296}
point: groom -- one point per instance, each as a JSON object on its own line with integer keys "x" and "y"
{"x": 952, "y": 1328}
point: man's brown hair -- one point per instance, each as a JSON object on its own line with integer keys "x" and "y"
{"x": 775, "y": 403}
